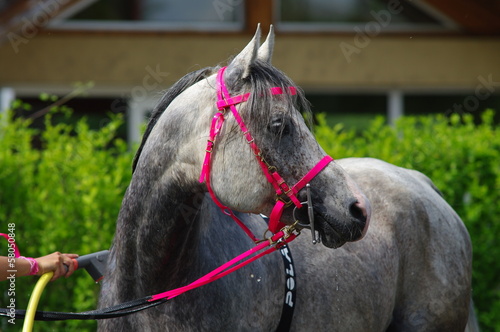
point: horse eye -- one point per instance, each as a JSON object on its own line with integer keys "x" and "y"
{"x": 279, "y": 127}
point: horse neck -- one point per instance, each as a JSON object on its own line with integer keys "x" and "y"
{"x": 157, "y": 222}
{"x": 168, "y": 247}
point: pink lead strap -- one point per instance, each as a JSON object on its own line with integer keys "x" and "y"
{"x": 276, "y": 241}
{"x": 12, "y": 243}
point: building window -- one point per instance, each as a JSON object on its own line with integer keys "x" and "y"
{"x": 343, "y": 15}
{"x": 197, "y": 15}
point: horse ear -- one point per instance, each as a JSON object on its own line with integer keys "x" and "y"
{"x": 239, "y": 68}
{"x": 266, "y": 50}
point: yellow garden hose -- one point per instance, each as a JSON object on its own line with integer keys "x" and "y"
{"x": 29, "y": 319}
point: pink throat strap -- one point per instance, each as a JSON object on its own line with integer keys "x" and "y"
{"x": 285, "y": 194}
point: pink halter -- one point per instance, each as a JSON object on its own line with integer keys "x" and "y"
{"x": 285, "y": 195}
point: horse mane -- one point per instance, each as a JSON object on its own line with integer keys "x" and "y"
{"x": 172, "y": 93}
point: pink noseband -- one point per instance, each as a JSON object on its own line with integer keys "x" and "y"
{"x": 285, "y": 195}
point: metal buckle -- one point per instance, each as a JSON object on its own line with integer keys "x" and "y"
{"x": 270, "y": 168}
{"x": 287, "y": 232}
{"x": 310, "y": 214}
{"x": 282, "y": 198}
{"x": 245, "y": 133}
{"x": 210, "y": 145}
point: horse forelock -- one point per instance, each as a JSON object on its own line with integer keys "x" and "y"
{"x": 258, "y": 110}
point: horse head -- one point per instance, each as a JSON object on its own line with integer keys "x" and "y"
{"x": 272, "y": 112}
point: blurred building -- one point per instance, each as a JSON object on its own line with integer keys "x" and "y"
{"x": 354, "y": 58}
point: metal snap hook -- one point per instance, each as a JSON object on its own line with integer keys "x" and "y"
{"x": 310, "y": 214}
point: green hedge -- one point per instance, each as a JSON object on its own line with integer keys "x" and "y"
{"x": 63, "y": 197}
{"x": 463, "y": 160}
{"x": 66, "y": 195}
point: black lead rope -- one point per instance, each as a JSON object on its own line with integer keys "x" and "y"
{"x": 290, "y": 290}
{"x": 290, "y": 287}
{"x": 119, "y": 310}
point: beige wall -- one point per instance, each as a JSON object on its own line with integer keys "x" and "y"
{"x": 122, "y": 61}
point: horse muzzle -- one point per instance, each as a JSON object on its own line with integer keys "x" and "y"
{"x": 334, "y": 231}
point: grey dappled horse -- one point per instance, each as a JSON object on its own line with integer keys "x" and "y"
{"x": 411, "y": 272}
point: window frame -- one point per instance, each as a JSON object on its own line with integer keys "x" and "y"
{"x": 62, "y": 22}
{"x": 445, "y": 25}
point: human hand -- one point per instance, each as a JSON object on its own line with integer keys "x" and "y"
{"x": 60, "y": 264}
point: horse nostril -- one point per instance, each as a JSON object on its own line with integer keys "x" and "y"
{"x": 361, "y": 210}
{"x": 358, "y": 211}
